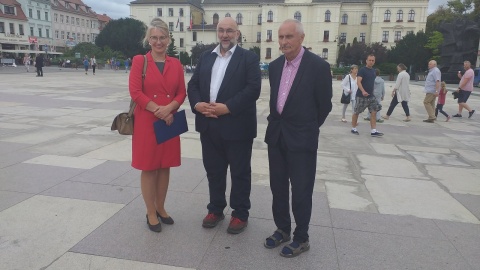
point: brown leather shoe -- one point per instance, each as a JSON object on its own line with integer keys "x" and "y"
{"x": 236, "y": 225}
{"x": 429, "y": 121}
{"x": 211, "y": 220}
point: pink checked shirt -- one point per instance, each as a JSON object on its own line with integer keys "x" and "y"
{"x": 288, "y": 75}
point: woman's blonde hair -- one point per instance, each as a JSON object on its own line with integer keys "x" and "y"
{"x": 352, "y": 67}
{"x": 156, "y": 23}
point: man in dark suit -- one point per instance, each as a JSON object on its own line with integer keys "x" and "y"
{"x": 39, "y": 65}
{"x": 222, "y": 93}
{"x": 300, "y": 101}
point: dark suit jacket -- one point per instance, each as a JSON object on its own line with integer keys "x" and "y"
{"x": 239, "y": 90}
{"x": 307, "y": 106}
{"x": 39, "y": 61}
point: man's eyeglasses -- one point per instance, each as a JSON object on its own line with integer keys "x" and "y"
{"x": 228, "y": 31}
{"x": 157, "y": 39}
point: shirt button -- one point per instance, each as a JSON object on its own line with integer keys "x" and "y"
{"x": 155, "y": 96}
{"x": 168, "y": 96}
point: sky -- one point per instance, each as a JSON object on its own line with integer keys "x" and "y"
{"x": 116, "y": 9}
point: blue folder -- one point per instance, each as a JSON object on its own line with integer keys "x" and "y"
{"x": 164, "y": 133}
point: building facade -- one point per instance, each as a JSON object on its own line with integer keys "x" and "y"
{"x": 327, "y": 23}
{"x": 73, "y": 22}
{"x": 39, "y": 26}
{"x": 12, "y": 27}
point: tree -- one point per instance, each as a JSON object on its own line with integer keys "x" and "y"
{"x": 124, "y": 35}
{"x": 198, "y": 49}
{"x": 172, "y": 49}
{"x": 255, "y": 49}
{"x": 435, "y": 40}
{"x": 377, "y": 49}
{"x": 460, "y": 7}
{"x": 411, "y": 51}
{"x": 184, "y": 58}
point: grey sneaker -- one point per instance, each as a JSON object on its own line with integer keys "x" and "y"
{"x": 354, "y": 132}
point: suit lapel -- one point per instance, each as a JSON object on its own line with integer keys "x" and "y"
{"x": 276, "y": 78}
{"x": 232, "y": 66}
{"x": 298, "y": 77}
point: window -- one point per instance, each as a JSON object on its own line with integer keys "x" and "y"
{"x": 343, "y": 37}
{"x": 38, "y": 14}
{"x": 326, "y": 36}
{"x": 55, "y": 17}
{"x": 2, "y": 27}
{"x": 327, "y": 15}
{"x": 63, "y": 35}
{"x": 87, "y": 23}
{"x": 20, "y": 29}
{"x": 180, "y": 12}
{"x": 88, "y": 38}
{"x": 215, "y": 19}
{"x": 227, "y": 15}
{"x": 40, "y": 32}
{"x": 67, "y": 19}
{"x": 83, "y": 37}
{"x": 298, "y": 16}
{"x": 47, "y": 33}
{"x": 259, "y": 19}
{"x": 398, "y": 36}
{"x": 170, "y": 12}
{"x": 386, "y": 16}
{"x": 411, "y": 15}
{"x": 325, "y": 53}
{"x": 410, "y": 32}
{"x": 30, "y": 12}
{"x": 194, "y": 36}
{"x": 362, "y": 37}
{"x": 159, "y": 12}
{"x": 31, "y": 32}
{"x": 61, "y": 18}
{"x": 268, "y": 54}
{"x": 181, "y": 43}
{"x": 78, "y": 21}
{"x": 73, "y": 21}
{"x": 68, "y": 35}
{"x": 239, "y": 18}
{"x": 12, "y": 28}
{"x": 46, "y": 16}
{"x": 400, "y": 16}
{"x": 181, "y": 26}
{"x": 76, "y": 6}
{"x": 170, "y": 26}
{"x": 78, "y": 36}
{"x": 269, "y": 35}
{"x": 83, "y": 22}
{"x": 270, "y": 16}
{"x": 344, "y": 19}
{"x": 385, "y": 36}
{"x": 56, "y": 34}
{"x": 363, "y": 20}
{"x": 66, "y": 5}
{"x": 259, "y": 37}
{"x": 9, "y": 10}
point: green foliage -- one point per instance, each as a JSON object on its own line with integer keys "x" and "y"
{"x": 124, "y": 35}
{"x": 460, "y": 7}
{"x": 198, "y": 49}
{"x": 411, "y": 51}
{"x": 255, "y": 49}
{"x": 387, "y": 68}
{"x": 434, "y": 43}
{"x": 184, "y": 58}
{"x": 357, "y": 53}
{"x": 341, "y": 70}
{"x": 172, "y": 49}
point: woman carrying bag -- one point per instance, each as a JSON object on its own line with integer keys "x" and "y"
{"x": 349, "y": 87}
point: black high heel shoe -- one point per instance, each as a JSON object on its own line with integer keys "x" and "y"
{"x": 168, "y": 220}
{"x": 154, "y": 228}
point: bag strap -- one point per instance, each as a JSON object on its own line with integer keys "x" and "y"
{"x": 132, "y": 103}
{"x": 350, "y": 82}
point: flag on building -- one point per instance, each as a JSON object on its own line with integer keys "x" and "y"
{"x": 178, "y": 21}
{"x": 191, "y": 21}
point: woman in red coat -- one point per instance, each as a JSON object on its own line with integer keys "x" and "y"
{"x": 162, "y": 94}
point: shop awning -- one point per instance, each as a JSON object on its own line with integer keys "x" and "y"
{"x": 28, "y": 51}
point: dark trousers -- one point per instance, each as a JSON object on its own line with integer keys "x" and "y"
{"x": 394, "y": 103}
{"x": 300, "y": 169}
{"x": 439, "y": 108}
{"x": 217, "y": 155}
{"x": 93, "y": 67}
{"x": 40, "y": 71}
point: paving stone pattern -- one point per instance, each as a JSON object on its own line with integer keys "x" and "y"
{"x": 69, "y": 198}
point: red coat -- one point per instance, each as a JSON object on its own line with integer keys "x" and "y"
{"x": 162, "y": 89}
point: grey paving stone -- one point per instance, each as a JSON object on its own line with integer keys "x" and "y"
{"x": 188, "y": 176}
{"x": 126, "y": 235}
{"x": 246, "y": 251}
{"x": 465, "y": 237}
{"x": 32, "y": 178}
{"x": 94, "y": 192}
{"x": 10, "y": 198}
{"x": 7, "y": 147}
{"x": 15, "y": 158}
{"x": 471, "y": 202}
{"x": 387, "y": 224}
{"x": 370, "y": 251}
{"x": 131, "y": 178}
{"x": 104, "y": 173}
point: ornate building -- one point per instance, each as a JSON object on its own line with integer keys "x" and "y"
{"x": 327, "y": 23}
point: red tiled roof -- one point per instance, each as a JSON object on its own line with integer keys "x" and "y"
{"x": 103, "y": 17}
{"x": 71, "y": 9}
{"x": 19, "y": 16}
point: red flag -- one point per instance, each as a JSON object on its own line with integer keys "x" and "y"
{"x": 191, "y": 21}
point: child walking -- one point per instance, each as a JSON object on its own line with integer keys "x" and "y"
{"x": 441, "y": 101}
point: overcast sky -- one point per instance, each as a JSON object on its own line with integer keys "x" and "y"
{"x": 118, "y": 8}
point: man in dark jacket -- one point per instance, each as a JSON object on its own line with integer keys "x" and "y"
{"x": 39, "y": 65}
